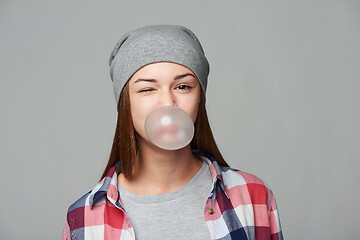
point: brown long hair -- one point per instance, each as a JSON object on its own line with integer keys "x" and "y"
{"x": 124, "y": 146}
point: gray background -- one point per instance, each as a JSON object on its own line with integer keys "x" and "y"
{"x": 283, "y": 101}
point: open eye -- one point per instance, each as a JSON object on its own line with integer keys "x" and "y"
{"x": 184, "y": 87}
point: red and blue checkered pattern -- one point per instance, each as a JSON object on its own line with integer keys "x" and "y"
{"x": 240, "y": 206}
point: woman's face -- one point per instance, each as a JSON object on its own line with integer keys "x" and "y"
{"x": 162, "y": 84}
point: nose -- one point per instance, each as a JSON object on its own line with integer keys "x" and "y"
{"x": 168, "y": 99}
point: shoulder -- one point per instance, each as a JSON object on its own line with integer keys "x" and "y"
{"x": 79, "y": 203}
{"x": 251, "y": 195}
{"x": 233, "y": 177}
{"x": 238, "y": 182}
{"x": 77, "y": 209}
{"x": 98, "y": 193}
{"x": 76, "y": 212}
{"x": 75, "y": 217}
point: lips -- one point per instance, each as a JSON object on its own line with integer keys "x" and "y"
{"x": 168, "y": 128}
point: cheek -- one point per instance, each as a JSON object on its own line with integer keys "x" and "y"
{"x": 194, "y": 112}
{"x": 137, "y": 117}
{"x": 192, "y": 108}
{"x": 139, "y": 112}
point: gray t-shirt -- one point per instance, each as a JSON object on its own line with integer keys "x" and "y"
{"x": 174, "y": 215}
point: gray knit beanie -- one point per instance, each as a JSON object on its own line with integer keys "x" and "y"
{"x": 156, "y": 43}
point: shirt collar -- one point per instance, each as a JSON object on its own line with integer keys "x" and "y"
{"x": 216, "y": 173}
{"x": 108, "y": 185}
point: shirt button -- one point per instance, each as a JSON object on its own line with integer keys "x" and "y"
{"x": 210, "y": 211}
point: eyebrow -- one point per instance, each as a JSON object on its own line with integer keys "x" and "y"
{"x": 178, "y": 77}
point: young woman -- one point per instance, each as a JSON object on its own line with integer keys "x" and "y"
{"x": 151, "y": 192}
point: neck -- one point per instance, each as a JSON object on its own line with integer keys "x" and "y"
{"x": 161, "y": 171}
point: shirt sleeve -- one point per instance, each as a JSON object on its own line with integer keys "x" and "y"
{"x": 274, "y": 219}
{"x": 66, "y": 231}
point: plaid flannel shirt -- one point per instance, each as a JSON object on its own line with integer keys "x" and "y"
{"x": 240, "y": 206}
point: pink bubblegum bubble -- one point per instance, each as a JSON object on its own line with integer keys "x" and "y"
{"x": 169, "y": 127}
